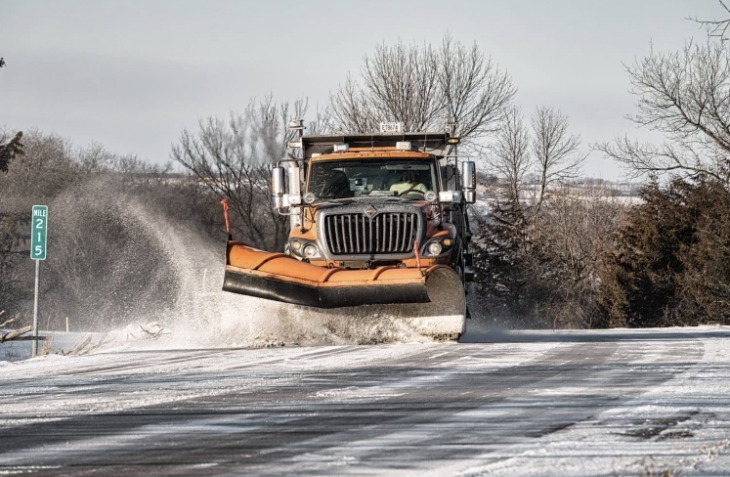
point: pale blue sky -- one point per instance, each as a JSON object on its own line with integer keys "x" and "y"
{"x": 133, "y": 74}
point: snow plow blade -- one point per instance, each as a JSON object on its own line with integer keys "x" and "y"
{"x": 430, "y": 301}
{"x": 279, "y": 277}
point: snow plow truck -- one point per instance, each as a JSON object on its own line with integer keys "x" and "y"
{"x": 379, "y": 228}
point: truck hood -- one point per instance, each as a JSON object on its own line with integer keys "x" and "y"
{"x": 380, "y": 203}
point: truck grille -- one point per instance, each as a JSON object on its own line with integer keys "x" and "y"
{"x": 387, "y": 232}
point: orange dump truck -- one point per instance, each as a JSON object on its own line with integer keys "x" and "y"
{"x": 378, "y": 228}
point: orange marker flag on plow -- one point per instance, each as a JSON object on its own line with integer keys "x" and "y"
{"x": 225, "y": 215}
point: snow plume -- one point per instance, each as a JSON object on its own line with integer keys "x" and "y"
{"x": 124, "y": 267}
{"x": 114, "y": 260}
{"x": 203, "y": 315}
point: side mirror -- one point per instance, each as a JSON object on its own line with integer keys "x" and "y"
{"x": 277, "y": 187}
{"x": 469, "y": 181}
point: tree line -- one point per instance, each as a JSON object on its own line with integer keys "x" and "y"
{"x": 545, "y": 256}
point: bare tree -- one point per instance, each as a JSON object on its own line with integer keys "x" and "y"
{"x": 572, "y": 235}
{"x": 398, "y": 83}
{"x": 716, "y": 28}
{"x": 95, "y": 157}
{"x": 510, "y": 154}
{"x": 350, "y": 112}
{"x": 555, "y": 150}
{"x": 421, "y": 87}
{"x": 233, "y": 159}
{"x": 685, "y": 96}
{"x": 476, "y": 93}
{"x": 45, "y": 167}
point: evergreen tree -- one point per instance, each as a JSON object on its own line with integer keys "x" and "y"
{"x": 8, "y": 151}
{"x": 502, "y": 252}
{"x": 705, "y": 285}
{"x": 13, "y": 148}
{"x": 671, "y": 265}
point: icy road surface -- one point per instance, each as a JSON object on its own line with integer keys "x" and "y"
{"x": 532, "y": 403}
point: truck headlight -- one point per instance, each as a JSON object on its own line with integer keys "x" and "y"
{"x": 434, "y": 248}
{"x": 437, "y": 246}
{"x": 296, "y": 246}
{"x": 310, "y": 251}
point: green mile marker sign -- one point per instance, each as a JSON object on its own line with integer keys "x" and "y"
{"x": 38, "y": 232}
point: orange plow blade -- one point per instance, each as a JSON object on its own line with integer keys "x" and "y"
{"x": 416, "y": 294}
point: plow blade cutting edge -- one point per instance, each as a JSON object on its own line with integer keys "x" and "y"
{"x": 432, "y": 299}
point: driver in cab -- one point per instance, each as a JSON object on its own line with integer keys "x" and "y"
{"x": 409, "y": 182}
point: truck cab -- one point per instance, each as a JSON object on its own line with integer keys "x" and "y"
{"x": 388, "y": 202}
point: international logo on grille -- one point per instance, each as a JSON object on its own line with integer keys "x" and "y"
{"x": 370, "y": 211}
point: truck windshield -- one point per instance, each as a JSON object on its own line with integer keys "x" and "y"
{"x": 410, "y": 179}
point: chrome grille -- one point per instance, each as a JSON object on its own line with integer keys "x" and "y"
{"x": 387, "y": 232}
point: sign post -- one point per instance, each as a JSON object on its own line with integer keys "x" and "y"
{"x": 38, "y": 231}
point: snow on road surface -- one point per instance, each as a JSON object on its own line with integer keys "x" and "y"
{"x": 617, "y": 402}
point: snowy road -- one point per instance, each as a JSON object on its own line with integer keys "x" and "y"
{"x": 574, "y": 403}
